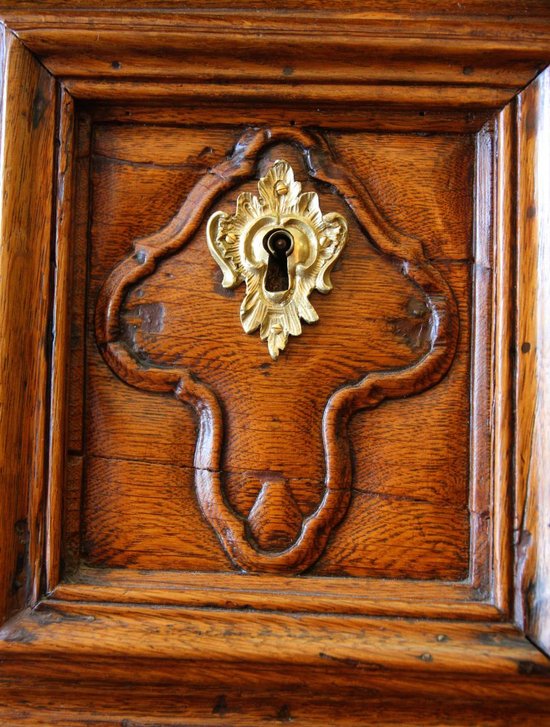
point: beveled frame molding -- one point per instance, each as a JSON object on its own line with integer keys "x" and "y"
{"x": 67, "y": 57}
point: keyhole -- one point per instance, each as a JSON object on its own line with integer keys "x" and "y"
{"x": 279, "y": 244}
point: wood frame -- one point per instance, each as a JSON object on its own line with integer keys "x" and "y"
{"x": 472, "y": 652}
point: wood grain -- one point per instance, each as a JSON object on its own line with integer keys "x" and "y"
{"x": 485, "y": 9}
{"x": 118, "y": 150}
{"x": 325, "y": 115}
{"x": 474, "y": 98}
{"x": 179, "y": 316}
{"x": 160, "y": 511}
{"x": 161, "y": 93}
{"x": 396, "y": 643}
{"x": 398, "y": 537}
{"x": 60, "y": 334}
{"x": 70, "y": 550}
{"x": 117, "y": 704}
{"x": 375, "y": 596}
{"x": 123, "y": 350}
{"x": 79, "y": 287}
{"x": 532, "y": 508}
{"x": 381, "y": 54}
{"x": 424, "y": 183}
{"x": 28, "y": 111}
{"x": 202, "y": 649}
{"x": 504, "y": 358}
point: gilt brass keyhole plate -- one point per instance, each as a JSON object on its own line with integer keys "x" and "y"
{"x": 282, "y": 247}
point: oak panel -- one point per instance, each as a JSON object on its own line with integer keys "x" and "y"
{"x": 532, "y": 499}
{"x": 79, "y": 259}
{"x": 423, "y": 183}
{"x": 398, "y": 538}
{"x": 28, "y": 115}
{"x": 438, "y": 468}
{"x": 205, "y": 113}
{"x": 114, "y": 705}
{"x": 145, "y": 515}
{"x": 139, "y": 175}
{"x": 203, "y": 647}
{"x": 114, "y": 663}
{"x": 462, "y": 65}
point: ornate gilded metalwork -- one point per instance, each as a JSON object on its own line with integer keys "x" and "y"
{"x": 281, "y": 246}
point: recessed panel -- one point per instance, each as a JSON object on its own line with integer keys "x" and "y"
{"x": 402, "y": 281}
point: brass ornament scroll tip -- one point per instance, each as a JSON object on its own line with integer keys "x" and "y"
{"x": 281, "y": 246}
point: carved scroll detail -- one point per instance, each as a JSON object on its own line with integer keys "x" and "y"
{"x": 404, "y": 252}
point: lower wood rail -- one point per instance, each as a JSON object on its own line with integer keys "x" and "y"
{"x": 68, "y": 645}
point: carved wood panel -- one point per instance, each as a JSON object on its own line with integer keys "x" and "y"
{"x": 206, "y": 525}
{"x": 258, "y": 473}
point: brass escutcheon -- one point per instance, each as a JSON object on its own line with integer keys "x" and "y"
{"x": 282, "y": 247}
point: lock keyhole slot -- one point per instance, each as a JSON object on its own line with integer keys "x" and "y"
{"x": 279, "y": 244}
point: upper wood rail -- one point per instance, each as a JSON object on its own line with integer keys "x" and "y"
{"x": 447, "y": 56}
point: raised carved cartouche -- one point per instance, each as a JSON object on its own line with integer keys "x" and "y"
{"x": 282, "y": 247}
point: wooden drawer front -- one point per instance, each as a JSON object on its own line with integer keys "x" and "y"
{"x": 410, "y": 482}
{"x": 273, "y": 406}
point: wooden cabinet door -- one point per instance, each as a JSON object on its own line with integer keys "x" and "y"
{"x": 274, "y": 385}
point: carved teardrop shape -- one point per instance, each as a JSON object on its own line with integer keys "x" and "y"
{"x": 275, "y": 520}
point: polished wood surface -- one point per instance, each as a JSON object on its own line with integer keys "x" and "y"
{"x": 412, "y": 665}
{"x": 153, "y": 563}
{"x": 532, "y": 527}
{"x": 477, "y": 54}
{"x": 28, "y": 113}
{"x": 227, "y": 379}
